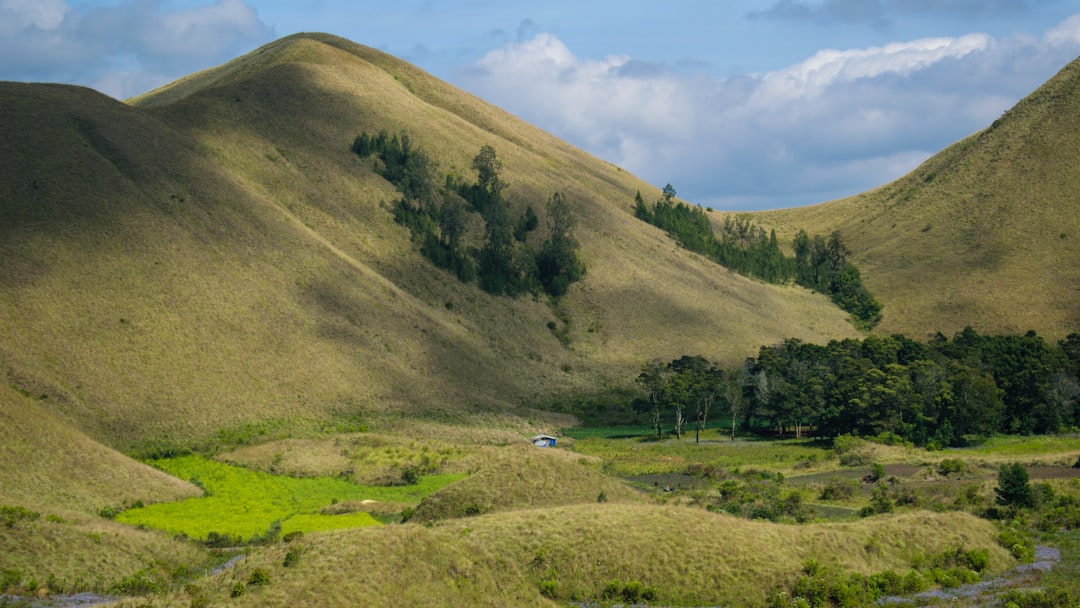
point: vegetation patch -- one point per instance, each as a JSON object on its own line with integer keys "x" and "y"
{"x": 745, "y": 248}
{"x": 241, "y": 504}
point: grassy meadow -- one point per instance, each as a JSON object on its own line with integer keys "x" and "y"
{"x": 247, "y": 504}
{"x": 520, "y": 525}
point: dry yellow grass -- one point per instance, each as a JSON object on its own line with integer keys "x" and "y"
{"x": 692, "y": 557}
{"x": 46, "y": 464}
{"x": 524, "y": 477}
{"x": 215, "y": 255}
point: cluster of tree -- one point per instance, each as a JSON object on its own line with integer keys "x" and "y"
{"x": 508, "y": 260}
{"x": 689, "y": 385}
{"x": 742, "y": 246}
{"x": 936, "y": 393}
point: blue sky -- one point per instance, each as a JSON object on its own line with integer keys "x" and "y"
{"x": 741, "y": 104}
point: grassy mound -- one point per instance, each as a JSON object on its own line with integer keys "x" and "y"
{"x": 524, "y": 477}
{"x": 690, "y": 557}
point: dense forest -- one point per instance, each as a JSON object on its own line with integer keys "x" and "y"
{"x": 941, "y": 393}
{"x": 508, "y": 260}
{"x": 820, "y": 264}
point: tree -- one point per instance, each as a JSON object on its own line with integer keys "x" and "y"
{"x": 487, "y": 166}
{"x": 733, "y": 394}
{"x": 1014, "y": 489}
{"x": 557, "y": 264}
{"x": 651, "y": 379}
{"x": 668, "y": 193}
{"x": 699, "y": 382}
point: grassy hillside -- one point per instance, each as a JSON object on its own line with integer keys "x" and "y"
{"x": 985, "y": 233}
{"x": 214, "y": 255}
{"x": 689, "y": 557}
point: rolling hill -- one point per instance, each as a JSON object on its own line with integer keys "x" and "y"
{"x": 212, "y": 255}
{"x": 986, "y": 233}
{"x": 210, "y": 266}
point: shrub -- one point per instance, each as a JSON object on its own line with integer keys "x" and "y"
{"x": 838, "y": 488}
{"x": 259, "y": 576}
{"x": 138, "y": 583}
{"x": 292, "y": 556}
{"x": 549, "y": 588}
{"x": 215, "y": 540}
{"x": 1037, "y": 598}
{"x": 10, "y": 578}
{"x": 410, "y": 475}
{"x": 612, "y": 589}
{"x": 950, "y": 466}
{"x": 1014, "y": 489}
{"x": 238, "y": 589}
{"x": 10, "y": 515}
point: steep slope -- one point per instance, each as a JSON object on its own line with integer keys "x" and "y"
{"x": 214, "y": 261}
{"x": 985, "y": 233}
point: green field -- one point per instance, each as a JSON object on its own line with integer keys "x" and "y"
{"x": 244, "y": 503}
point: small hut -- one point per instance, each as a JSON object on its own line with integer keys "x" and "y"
{"x": 543, "y": 441}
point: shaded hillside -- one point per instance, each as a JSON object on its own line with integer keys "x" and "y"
{"x": 985, "y": 233}
{"x": 213, "y": 262}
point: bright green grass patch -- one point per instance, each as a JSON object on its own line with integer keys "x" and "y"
{"x": 1016, "y": 446}
{"x": 638, "y": 457}
{"x": 245, "y": 503}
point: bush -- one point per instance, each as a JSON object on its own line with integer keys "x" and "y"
{"x": 238, "y": 589}
{"x": 549, "y": 588}
{"x": 1037, "y": 598}
{"x": 949, "y": 466}
{"x": 10, "y": 578}
{"x": 612, "y": 589}
{"x": 259, "y": 576}
{"x": 10, "y": 515}
{"x": 138, "y": 583}
{"x": 292, "y": 556}
{"x": 838, "y": 488}
{"x": 1014, "y": 489}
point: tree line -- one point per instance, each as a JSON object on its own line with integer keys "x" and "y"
{"x": 508, "y": 260}
{"x": 820, "y": 264}
{"x": 939, "y": 393}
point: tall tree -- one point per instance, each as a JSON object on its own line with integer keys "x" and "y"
{"x": 651, "y": 378}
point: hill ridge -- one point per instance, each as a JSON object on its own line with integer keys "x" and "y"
{"x": 984, "y": 233}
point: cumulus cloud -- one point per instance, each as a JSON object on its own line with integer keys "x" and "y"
{"x": 837, "y": 123}
{"x": 125, "y": 48}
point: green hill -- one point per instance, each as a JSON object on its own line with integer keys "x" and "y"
{"x": 209, "y": 266}
{"x": 986, "y": 233}
{"x": 213, "y": 255}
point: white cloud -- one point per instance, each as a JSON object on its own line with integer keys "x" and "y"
{"x": 125, "y": 48}
{"x": 1067, "y": 34}
{"x": 42, "y": 14}
{"x": 837, "y": 123}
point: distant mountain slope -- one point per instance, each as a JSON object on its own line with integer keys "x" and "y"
{"x": 212, "y": 261}
{"x": 985, "y": 233}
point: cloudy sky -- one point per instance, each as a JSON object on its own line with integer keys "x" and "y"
{"x": 741, "y": 104}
